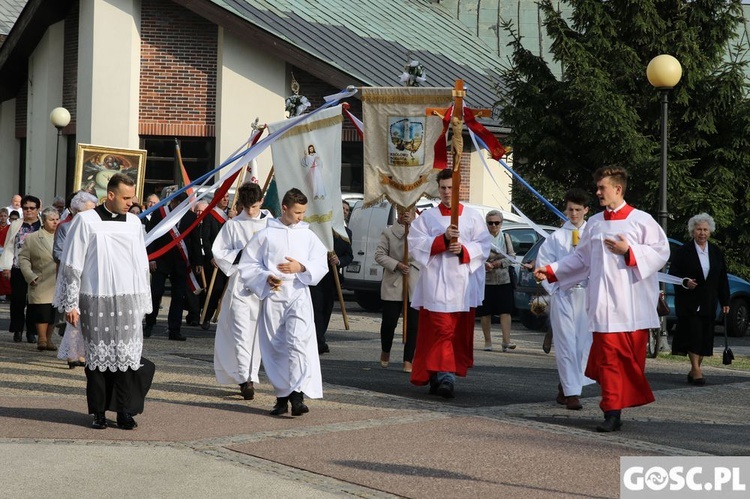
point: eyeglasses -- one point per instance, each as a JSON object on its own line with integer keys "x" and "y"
{"x": 30, "y": 208}
{"x": 494, "y": 223}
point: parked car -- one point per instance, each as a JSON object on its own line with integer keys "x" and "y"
{"x": 739, "y": 299}
{"x": 364, "y": 274}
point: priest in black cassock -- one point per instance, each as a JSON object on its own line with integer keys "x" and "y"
{"x": 103, "y": 282}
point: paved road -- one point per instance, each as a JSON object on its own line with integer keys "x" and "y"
{"x": 374, "y": 434}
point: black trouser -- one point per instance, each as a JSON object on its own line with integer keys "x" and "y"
{"x": 18, "y": 317}
{"x": 218, "y": 290}
{"x": 103, "y": 387}
{"x": 121, "y": 391}
{"x": 391, "y": 313}
{"x": 322, "y": 301}
{"x": 178, "y": 279}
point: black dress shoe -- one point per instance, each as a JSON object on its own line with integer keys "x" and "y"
{"x": 298, "y": 406}
{"x": 247, "y": 390}
{"x": 445, "y": 390}
{"x": 176, "y": 336}
{"x": 191, "y": 323}
{"x": 206, "y": 325}
{"x": 125, "y": 421}
{"x": 323, "y": 348}
{"x": 281, "y": 407}
{"x": 31, "y": 338}
{"x": 18, "y": 336}
{"x": 147, "y": 331}
{"x": 433, "y": 385}
{"x": 100, "y": 421}
{"x": 610, "y": 424}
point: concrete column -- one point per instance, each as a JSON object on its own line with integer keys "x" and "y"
{"x": 45, "y": 93}
{"x": 9, "y": 152}
{"x": 109, "y": 62}
{"x": 250, "y": 84}
{"x": 483, "y": 189}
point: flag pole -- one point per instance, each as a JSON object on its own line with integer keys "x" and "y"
{"x": 268, "y": 181}
{"x": 405, "y": 284}
{"x": 335, "y": 271}
{"x": 208, "y": 295}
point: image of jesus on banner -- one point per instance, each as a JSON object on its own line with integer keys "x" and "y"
{"x": 313, "y": 163}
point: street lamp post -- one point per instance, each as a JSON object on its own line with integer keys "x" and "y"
{"x": 663, "y": 73}
{"x": 60, "y": 117}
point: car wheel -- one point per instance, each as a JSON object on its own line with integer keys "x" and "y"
{"x": 737, "y": 319}
{"x": 369, "y": 300}
{"x": 533, "y": 322}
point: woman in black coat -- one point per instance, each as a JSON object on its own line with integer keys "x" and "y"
{"x": 705, "y": 283}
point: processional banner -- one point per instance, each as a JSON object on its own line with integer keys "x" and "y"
{"x": 308, "y": 157}
{"x": 399, "y": 142}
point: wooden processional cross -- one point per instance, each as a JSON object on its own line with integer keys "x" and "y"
{"x": 457, "y": 142}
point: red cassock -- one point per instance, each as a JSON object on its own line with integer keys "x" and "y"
{"x": 617, "y": 361}
{"x": 445, "y": 343}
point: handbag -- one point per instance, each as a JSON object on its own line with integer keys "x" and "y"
{"x": 661, "y": 305}
{"x": 513, "y": 277}
{"x": 728, "y": 356}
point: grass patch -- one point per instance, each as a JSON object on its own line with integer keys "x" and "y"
{"x": 740, "y": 363}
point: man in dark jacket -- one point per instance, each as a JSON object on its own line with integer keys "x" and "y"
{"x": 210, "y": 228}
{"x": 175, "y": 264}
{"x": 324, "y": 294}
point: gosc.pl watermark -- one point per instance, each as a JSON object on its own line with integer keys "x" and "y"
{"x": 684, "y": 477}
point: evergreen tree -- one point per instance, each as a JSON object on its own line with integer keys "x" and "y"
{"x": 602, "y": 110}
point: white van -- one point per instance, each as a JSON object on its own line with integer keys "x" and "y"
{"x": 364, "y": 274}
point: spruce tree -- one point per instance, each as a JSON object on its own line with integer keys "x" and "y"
{"x": 601, "y": 110}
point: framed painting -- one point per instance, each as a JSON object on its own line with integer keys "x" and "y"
{"x": 95, "y": 165}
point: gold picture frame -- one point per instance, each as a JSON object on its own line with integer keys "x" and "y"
{"x": 96, "y": 164}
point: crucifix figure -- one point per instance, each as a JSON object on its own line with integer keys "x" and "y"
{"x": 457, "y": 142}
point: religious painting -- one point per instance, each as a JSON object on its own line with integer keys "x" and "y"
{"x": 313, "y": 165}
{"x": 95, "y": 165}
{"x": 405, "y": 147}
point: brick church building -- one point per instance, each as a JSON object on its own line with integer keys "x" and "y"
{"x": 140, "y": 73}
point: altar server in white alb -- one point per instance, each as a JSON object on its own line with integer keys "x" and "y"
{"x": 278, "y": 265}
{"x": 570, "y": 323}
{"x": 450, "y": 287}
{"x": 621, "y": 251}
{"x": 236, "y": 347}
{"x": 103, "y": 282}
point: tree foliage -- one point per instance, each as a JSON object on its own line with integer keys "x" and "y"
{"x": 602, "y": 110}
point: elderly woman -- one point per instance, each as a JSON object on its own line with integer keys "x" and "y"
{"x": 498, "y": 289}
{"x": 390, "y": 255}
{"x": 704, "y": 273}
{"x": 40, "y": 272}
{"x": 72, "y": 347}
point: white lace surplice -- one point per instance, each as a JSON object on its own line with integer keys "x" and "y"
{"x": 104, "y": 275}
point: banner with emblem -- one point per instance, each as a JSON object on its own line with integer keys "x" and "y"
{"x": 308, "y": 157}
{"x": 399, "y": 142}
